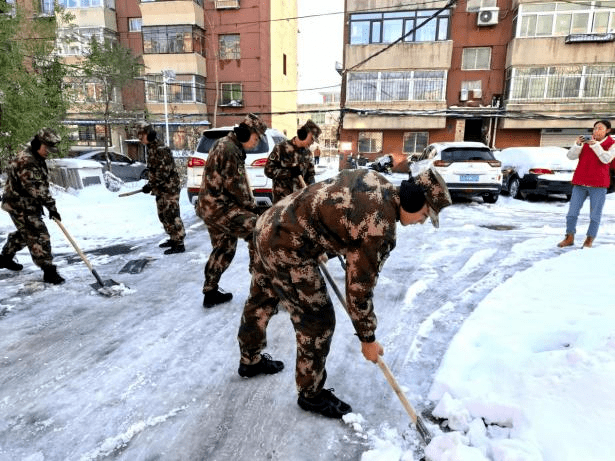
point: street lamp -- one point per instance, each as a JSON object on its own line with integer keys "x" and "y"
{"x": 168, "y": 75}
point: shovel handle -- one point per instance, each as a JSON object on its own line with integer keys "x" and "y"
{"x": 79, "y": 252}
{"x": 132, "y": 192}
{"x": 416, "y": 419}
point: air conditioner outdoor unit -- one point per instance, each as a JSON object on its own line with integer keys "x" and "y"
{"x": 487, "y": 16}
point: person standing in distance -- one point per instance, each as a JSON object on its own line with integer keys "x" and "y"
{"x": 26, "y": 192}
{"x": 164, "y": 183}
{"x": 354, "y": 214}
{"x": 226, "y": 203}
{"x": 291, "y": 159}
{"x": 591, "y": 179}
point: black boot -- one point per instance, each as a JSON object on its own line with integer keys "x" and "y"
{"x": 266, "y": 366}
{"x": 175, "y": 248}
{"x": 324, "y": 403}
{"x": 215, "y": 297}
{"x": 166, "y": 244}
{"x": 50, "y": 275}
{"x": 9, "y": 263}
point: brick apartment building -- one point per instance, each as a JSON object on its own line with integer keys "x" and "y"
{"x": 504, "y": 72}
{"x": 214, "y": 60}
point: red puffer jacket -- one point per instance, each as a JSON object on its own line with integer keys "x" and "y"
{"x": 591, "y": 171}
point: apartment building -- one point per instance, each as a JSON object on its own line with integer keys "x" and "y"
{"x": 326, "y": 115}
{"x": 505, "y": 72}
{"x": 206, "y": 64}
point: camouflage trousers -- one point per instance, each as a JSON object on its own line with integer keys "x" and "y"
{"x": 299, "y": 285}
{"x": 31, "y": 232}
{"x": 167, "y": 204}
{"x": 224, "y": 233}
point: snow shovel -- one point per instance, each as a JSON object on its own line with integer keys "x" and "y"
{"x": 416, "y": 419}
{"x": 101, "y": 283}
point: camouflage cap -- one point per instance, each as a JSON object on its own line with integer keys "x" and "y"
{"x": 311, "y": 127}
{"x": 436, "y": 193}
{"x": 254, "y": 124}
{"x": 143, "y": 127}
{"x": 50, "y": 138}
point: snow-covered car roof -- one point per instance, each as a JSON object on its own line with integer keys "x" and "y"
{"x": 522, "y": 159}
{"x": 440, "y": 146}
{"x": 72, "y": 163}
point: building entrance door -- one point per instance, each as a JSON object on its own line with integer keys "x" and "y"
{"x": 474, "y": 130}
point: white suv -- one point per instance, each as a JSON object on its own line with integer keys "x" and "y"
{"x": 468, "y": 168}
{"x": 255, "y": 163}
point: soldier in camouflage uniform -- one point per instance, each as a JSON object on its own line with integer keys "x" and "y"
{"x": 26, "y": 192}
{"x": 291, "y": 159}
{"x": 354, "y": 214}
{"x": 226, "y": 203}
{"x": 164, "y": 183}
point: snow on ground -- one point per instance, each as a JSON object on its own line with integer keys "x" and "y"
{"x": 528, "y": 376}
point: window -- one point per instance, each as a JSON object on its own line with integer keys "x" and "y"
{"x": 366, "y": 28}
{"x": 231, "y": 95}
{"x": 75, "y": 43}
{"x": 370, "y": 141}
{"x": 185, "y": 89}
{"x": 229, "y": 46}
{"x": 476, "y": 58}
{"x": 563, "y": 82}
{"x": 47, "y": 7}
{"x": 415, "y": 141}
{"x": 397, "y": 86}
{"x": 86, "y": 3}
{"x": 173, "y": 40}
{"x": 134, "y": 24}
{"x": 564, "y": 18}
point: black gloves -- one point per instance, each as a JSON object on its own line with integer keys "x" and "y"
{"x": 295, "y": 171}
{"x": 53, "y": 214}
{"x": 146, "y": 189}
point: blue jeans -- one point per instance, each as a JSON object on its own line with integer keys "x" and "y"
{"x": 597, "y": 196}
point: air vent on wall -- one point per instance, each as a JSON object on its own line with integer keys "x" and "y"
{"x": 487, "y": 16}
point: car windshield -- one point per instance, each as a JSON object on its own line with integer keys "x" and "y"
{"x": 460, "y": 154}
{"x": 209, "y": 138}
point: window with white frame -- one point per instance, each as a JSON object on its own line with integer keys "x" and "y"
{"x": 231, "y": 95}
{"x": 561, "y": 82}
{"x": 564, "y": 18}
{"x": 75, "y": 42}
{"x": 411, "y": 85}
{"x": 86, "y": 3}
{"x": 134, "y": 24}
{"x": 415, "y": 141}
{"x": 370, "y": 141}
{"x": 47, "y": 7}
{"x": 184, "y": 89}
{"x": 176, "y": 39}
{"x": 476, "y": 58}
{"x": 229, "y": 46}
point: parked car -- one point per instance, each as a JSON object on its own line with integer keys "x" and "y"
{"x": 468, "y": 168}
{"x": 255, "y": 163}
{"x": 122, "y": 166}
{"x": 536, "y": 170}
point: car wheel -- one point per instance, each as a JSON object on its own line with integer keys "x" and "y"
{"x": 568, "y": 197}
{"x": 513, "y": 188}
{"x": 491, "y": 198}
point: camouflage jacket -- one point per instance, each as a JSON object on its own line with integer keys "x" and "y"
{"x": 354, "y": 214}
{"x": 162, "y": 175}
{"x": 27, "y": 185}
{"x": 224, "y": 184}
{"x": 283, "y": 157}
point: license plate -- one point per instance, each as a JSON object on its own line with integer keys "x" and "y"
{"x": 468, "y": 177}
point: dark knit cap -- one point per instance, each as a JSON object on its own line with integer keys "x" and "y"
{"x": 411, "y": 196}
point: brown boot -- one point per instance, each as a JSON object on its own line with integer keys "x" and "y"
{"x": 588, "y": 242}
{"x": 568, "y": 241}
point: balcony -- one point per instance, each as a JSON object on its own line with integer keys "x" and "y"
{"x": 172, "y": 12}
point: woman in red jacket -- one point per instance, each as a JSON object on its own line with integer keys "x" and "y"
{"x": 591, "y": 179}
